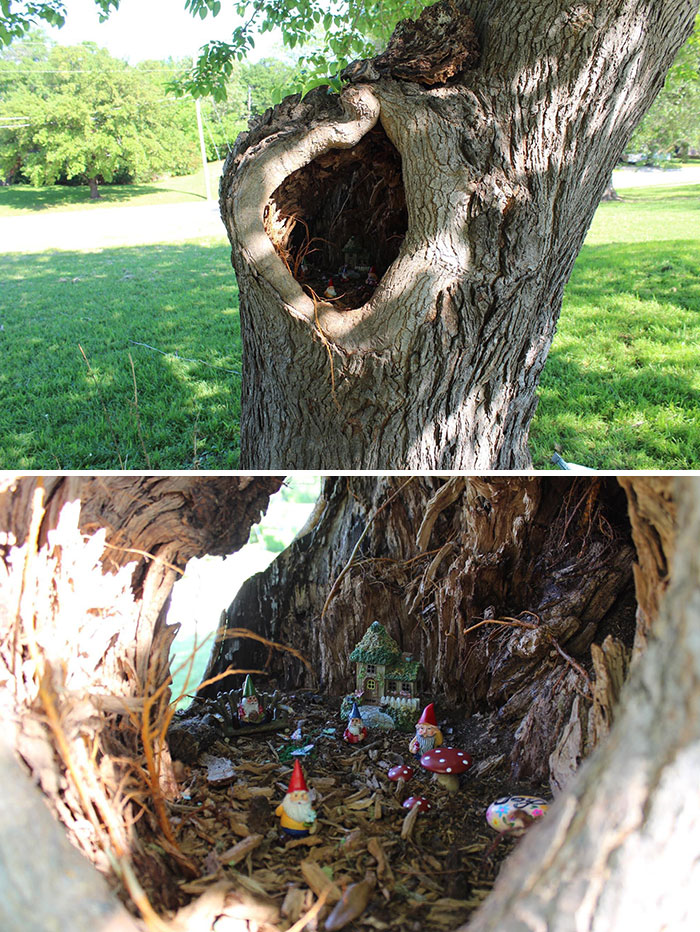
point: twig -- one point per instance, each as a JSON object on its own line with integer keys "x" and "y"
{"x": 184, "y": 358}
{"x": 348, "y": 565}
{"x": 138, "y": 417}
{"x": 104, "y": 407}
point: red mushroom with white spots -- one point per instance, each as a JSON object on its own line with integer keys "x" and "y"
{"x": 447, "y": 764}
{"x": 420, "y": 802}
{"x": 400, "y": 775}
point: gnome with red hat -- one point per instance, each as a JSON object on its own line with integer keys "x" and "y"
{"x": 428, "y": 735}
{"x": 297, "y": 818}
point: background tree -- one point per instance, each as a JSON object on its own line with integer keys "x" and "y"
{"x": 80, "y": 114}
{"x": 673, "y": 122}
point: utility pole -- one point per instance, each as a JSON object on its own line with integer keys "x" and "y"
{"x": 202, "y": 146}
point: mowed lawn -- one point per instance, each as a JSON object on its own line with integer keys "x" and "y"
{"x": 176, "y": 407}
{"x": 621, "y": 388}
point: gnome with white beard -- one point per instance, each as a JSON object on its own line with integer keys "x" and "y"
{"x": 297, "y": 818}
{"x": 250, "y": 710}
{"x": 356, "y": 730}
{"x": 428, "y": 735}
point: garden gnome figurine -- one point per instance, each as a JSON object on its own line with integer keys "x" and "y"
{"x": 297, "y": 818}
{"x": 428, "y": 735}
{"x": 249, "y": 709}
{"x": 356, "y": 730}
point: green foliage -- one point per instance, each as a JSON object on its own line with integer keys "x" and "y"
{"x": 673, "y": 122}
{"x": 16, "y": 19}
{"x": 76, "y": 113}
{"x": 327, "y": 37}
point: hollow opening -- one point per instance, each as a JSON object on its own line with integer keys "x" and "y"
{"x": 338, "y": 223}
{"x": 222, "y": 796}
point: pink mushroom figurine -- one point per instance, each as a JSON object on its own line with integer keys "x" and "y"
{"x": 420, "y": 802}
{"x": 446, "y": 764}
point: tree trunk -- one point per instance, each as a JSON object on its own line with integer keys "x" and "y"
{"x": 437, "y": 557}
{"x": 621, "y": 849}
{"x": 86, "y": 570}
{"x": 610, "y": 194}
{"x": 470, "y": 190}
{"x": 94, "y": 189}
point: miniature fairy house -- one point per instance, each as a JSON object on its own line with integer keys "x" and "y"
{"x": 382, "y": 671}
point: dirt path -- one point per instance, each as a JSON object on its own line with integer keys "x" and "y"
{"x": 106, "y": 227}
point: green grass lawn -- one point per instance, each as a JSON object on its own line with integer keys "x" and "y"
{"x": 19, "y": 199}
{"x": 621, "y": 388}
{"x": 56, "y": 413}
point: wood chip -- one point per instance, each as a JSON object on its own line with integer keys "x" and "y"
{"x": 307, "y": 842}
{"x": 319, "y": 881}
{"x": 294, "y": 903}
{"x": 352, "y": 903}
{"x": 220, "y": 770}
{"x": 409, "y": 822}
{"x": 241, "y": 850}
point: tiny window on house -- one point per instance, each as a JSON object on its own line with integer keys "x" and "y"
{"x": 391, "y": 686}
{"x": 370, "y": 684}
{"x": 371, "y": 668}
{"x": 406, "y": 687}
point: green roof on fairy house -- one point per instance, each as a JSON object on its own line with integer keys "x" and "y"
{"x": 378, "y": 647}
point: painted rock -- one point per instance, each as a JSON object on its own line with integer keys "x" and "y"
{"x": 503, "y": 813}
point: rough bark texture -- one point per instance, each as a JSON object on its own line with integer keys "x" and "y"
{"x": 502, "y": 168}
{"x": 85, "y": 904}
{"x": 621, "y": 849}
{"x": 439, "y": 556}
{"x": 86, "y": 570}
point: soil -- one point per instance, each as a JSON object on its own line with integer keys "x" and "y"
{"x": 432, "y": 879}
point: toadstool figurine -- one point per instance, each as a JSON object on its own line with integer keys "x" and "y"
{"x": 356, "y": 730}
{"x": 447, "y": 764}
{"x": 428, "y": 735}
{"x": 400, "y": 775}
{"x": 297, "y": 818}
{"x": 420, "y": 802}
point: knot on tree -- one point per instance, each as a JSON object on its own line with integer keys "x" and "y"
{"x": 430, "y": 50}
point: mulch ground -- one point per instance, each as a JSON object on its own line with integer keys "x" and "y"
{"x": 429, "y": 875}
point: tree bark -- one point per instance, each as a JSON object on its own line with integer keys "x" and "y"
{"x": 435, "y": 557}
{"x": 500, "y": 168}
{"x": 621, "y": 848}
{"x": 94, "y": 189}
{"x": 86, "y": 570}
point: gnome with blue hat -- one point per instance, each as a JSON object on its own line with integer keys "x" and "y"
{"x": 356, "y": 730}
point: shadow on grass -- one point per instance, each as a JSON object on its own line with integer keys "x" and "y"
{"x": 29, "y": 198}
{"x": 620, "y": 387}
{"x": 171, "y": 310}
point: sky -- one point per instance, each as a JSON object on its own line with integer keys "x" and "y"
{"x": 151, "y": 29}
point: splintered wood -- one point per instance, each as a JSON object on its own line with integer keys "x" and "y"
{"x": 372, "y": 864}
